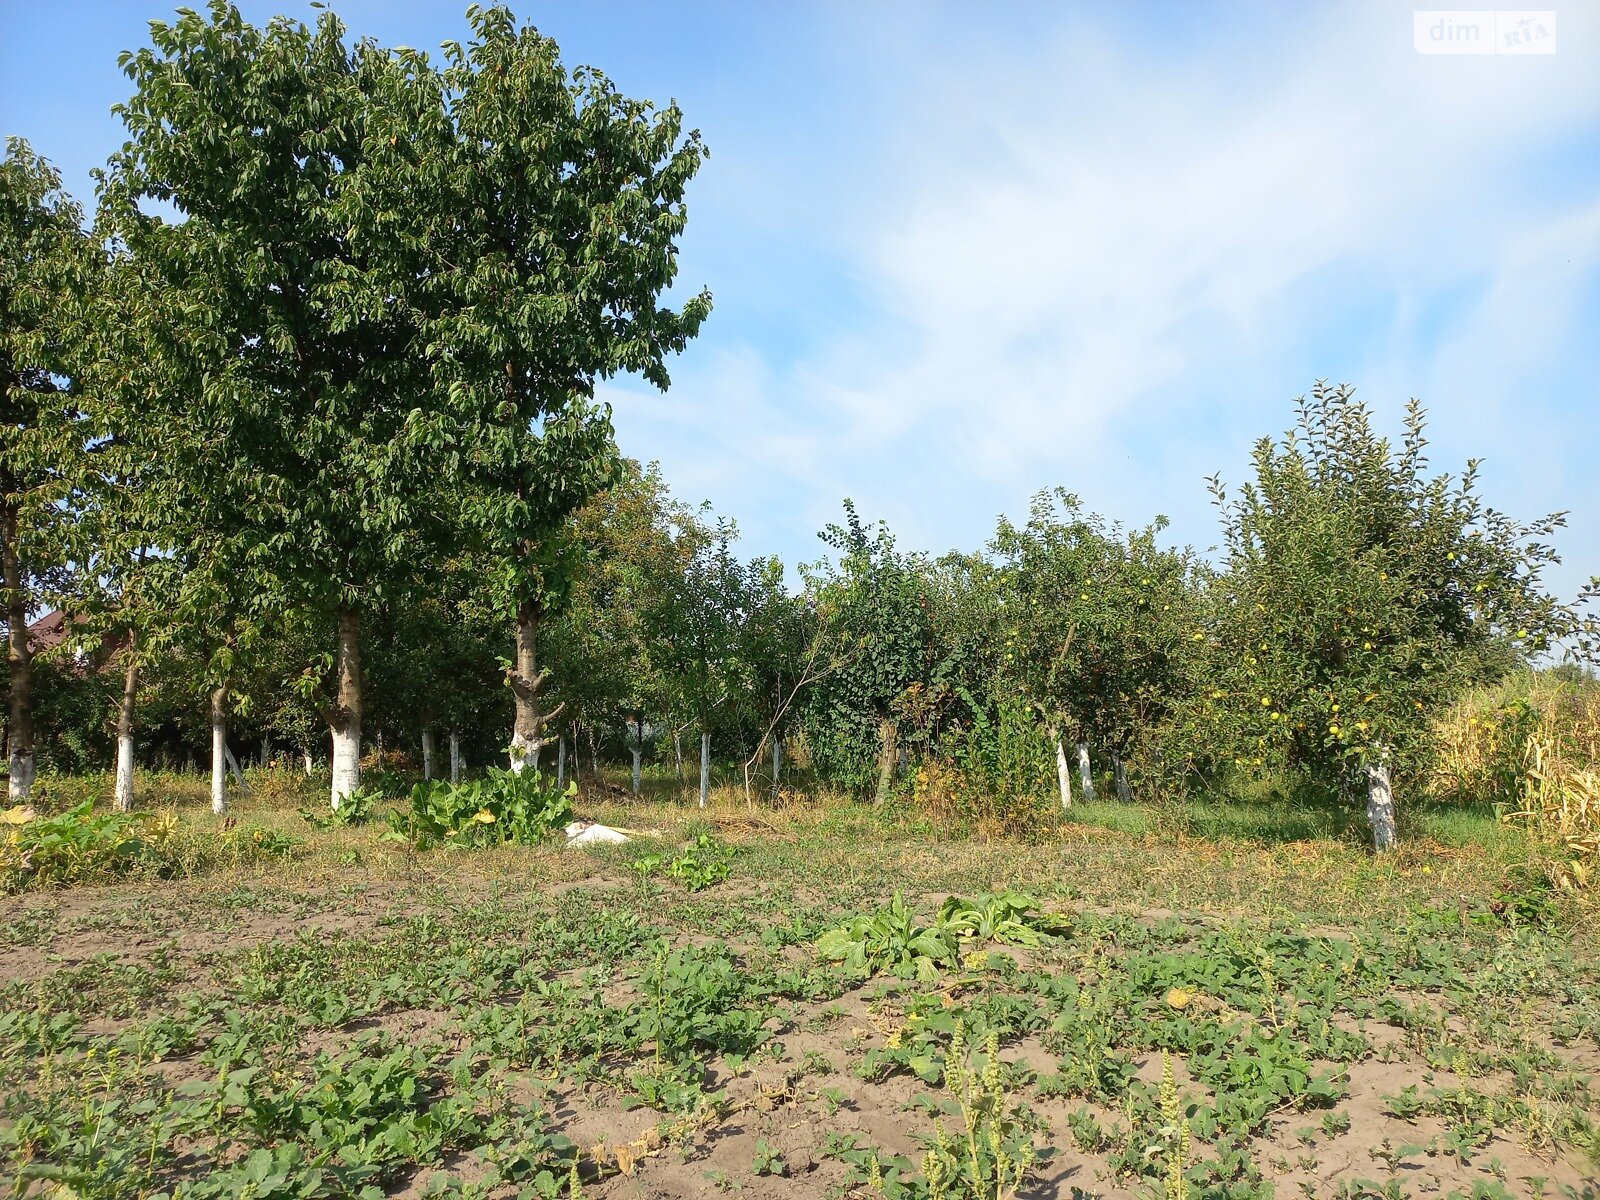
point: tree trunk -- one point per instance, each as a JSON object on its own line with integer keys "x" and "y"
{"x": 345, "y": 722}
{"x": 638, "y": 751}
{"x": 20, "y": 653}
{"x": 888, "y": 734}
{"x": 266, "y": 752}
{"x": 561, "y": 761}
{"x": 705, "y": 768}
{"x": 1380, "y": 804}
{"x": 455, "y": 757}
{"x": 527, "y": 732}
{"x": 219, "y": 750}
{"x": 594, "y": 752}
{"x": 427, "y": 754}
{"x": 777, "y": 761}
{"x": 123, "y": 794}
{"x": 1124, "y": 792}
{"x": 677, "y": 752}
{"x": 1085, "y": 779}
{"x": 306, "y": 756}
{"x": 1063, "y": 773}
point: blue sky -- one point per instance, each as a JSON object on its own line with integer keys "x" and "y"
{"x": 962, "y": 253}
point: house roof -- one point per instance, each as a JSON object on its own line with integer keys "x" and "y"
{"x": 50, "y": 630}
{"x": 54, "y": 628}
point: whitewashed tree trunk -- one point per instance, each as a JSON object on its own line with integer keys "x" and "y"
{"x": 1380, "y": 804}
{"x": 346, "y": 760}
{"x": 1085, "y": 779}
{"x": 677, "y": 752}
{"x": 310, "y": 766}
{"x": 19, "y": 650}
{"x": 219, "y": 751}
{"x": 561, "y": 761}
{"x": 638, "y": 751}
{"x": 427, "y": 754}
{"x": 777, "y": 761}
{"x": 1124, "y": 792}
{"x": 345, "y": 726}
{"x": 1063, "y": 773}
{"x": 122, "y": 796}
{"x": 524, "y": 753}
{"x": 705, "y": 768}
{"x": 124, "y": 787}
{"x": 455, "y": 757}
{"x": 22, "y": 775}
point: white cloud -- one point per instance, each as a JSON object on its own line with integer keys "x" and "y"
{"x": 1110, "y": 268}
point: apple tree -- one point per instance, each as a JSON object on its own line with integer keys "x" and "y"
{"x": 1362, "y": 594}
{"x": 1100, "y": 624}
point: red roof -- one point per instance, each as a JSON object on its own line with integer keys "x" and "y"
{"x": 52, "y": 629}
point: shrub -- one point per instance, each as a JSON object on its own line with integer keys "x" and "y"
{"x": 994, "y": 777}
{"x": 77, "y": 845}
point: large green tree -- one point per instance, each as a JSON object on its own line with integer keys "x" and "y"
{"x": 48, "y": 267}
{"x": 553, "y": 235}
{"x": 296, "y": 368}
{"x": 700, "y": 649}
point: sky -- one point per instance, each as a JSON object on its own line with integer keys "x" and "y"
{"x": 962, "y": 253}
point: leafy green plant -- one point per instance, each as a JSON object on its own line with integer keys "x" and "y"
{"x": 697, "y": 1000}
{"x": 767, "y": 1161}
{"x": 506, "y": 806}
{"x": 356, "y": 808}
{"x": 1006, "y": 917}
{"x": 76, "y": 846}
{"x": 890, "y": 941}
{"x": 703, "y": 864}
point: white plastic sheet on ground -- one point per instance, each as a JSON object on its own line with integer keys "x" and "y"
{"x": 592, "y": 833}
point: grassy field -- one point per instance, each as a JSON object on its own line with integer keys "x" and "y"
{"x": 1242, "y": 1003}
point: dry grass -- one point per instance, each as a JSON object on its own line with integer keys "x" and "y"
{"x": 1533, "y": 746}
